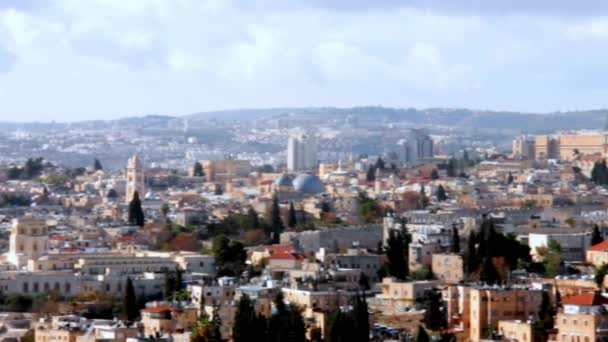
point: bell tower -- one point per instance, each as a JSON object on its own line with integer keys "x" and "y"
{"x": 135, "y": 178}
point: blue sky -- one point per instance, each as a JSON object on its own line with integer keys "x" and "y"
{"x": 73, "y": 60}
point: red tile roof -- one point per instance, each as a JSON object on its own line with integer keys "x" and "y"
{"x": 274, "y": 249}
{"x": 602, "y": 246}
{"x": 587, "y": 299}
{"x": 159, "y": 308}
{"x": 287, "y": 256}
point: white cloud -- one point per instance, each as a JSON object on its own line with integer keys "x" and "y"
{"x": 117, "y": 57}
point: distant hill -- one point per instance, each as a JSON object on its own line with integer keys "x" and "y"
{"x": 464, "y": 118}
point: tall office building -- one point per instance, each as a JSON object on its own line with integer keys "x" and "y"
{"x": 135, "y": 178}
{"x": 524, "y": 147}
{"x": 301, "y": 152}
{"x": 416, "y": 147}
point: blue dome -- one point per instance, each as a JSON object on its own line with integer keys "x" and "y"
{"x": 308, "y": 184}
{"x": 283, "y": 180}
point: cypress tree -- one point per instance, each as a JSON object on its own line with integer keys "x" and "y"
{"x": 488, "y": 273}
{"x": 371, "y": 174}
{"x": 244, "y": 320}
{"x": 452, "y": 168}
{"x": 396, "y": 251}
{"x": 136, "y": 213}
{"x": 422, "y": 335}
{"x": 510, "y": 178}
{"x": 545, "y": 318}
{"x": 380, "y": 163}
{"x": 97, "y": 165}
{"x": 596, "y": 236}
{"x": 275, "y": 220}
{"x": 440, "y": 193}
{"x": 130, "y": 310}
{"x": 434, "y": 174}
{"x": 254, "y": 219}
{"x": 360, "y": 316}
{"x": 291, "y": 219}
{"x": 198, "y": 170}
{"x": 455, "y": 246}
{"x": 471, "y": 257}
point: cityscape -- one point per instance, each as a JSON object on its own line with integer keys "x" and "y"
{"x": 302, "y": 210}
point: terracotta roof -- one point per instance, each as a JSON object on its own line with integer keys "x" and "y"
{"x": 602, "y": 246}
{"x": 274, "y": 249}
{"x": 287, "y": 256}
{"x": 159, "y": 308}
{"x": 587, "y": 298}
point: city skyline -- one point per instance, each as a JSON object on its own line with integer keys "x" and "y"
{"x": 65, "y": 61}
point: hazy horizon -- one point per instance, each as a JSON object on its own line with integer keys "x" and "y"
{"x": 71, "y": 60}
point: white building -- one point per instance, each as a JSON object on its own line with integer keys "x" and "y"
{"x": 301, "y": 152}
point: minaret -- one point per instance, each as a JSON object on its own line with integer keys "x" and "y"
{"x": 135, "y": 178}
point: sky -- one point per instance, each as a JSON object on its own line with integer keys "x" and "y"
{"x": 70, "y": 60}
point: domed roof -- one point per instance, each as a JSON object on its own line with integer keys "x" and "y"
{"x": 283, "y": 180}
{"x": 308, "y": 184}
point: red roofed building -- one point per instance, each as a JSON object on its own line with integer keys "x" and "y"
{"x": 598, "y": 254}
{"x": 285, "y": 260}
{"x": 260, "y": 253}
{"x": 583, "y": 318}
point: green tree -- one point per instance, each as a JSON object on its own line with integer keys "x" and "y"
{"x": 596, "y": 236}
{"x": 371, "y": 174}
{"x": 488, "y": 273}
{"x": 229, "y": 255}
{"x": 396, "y": 251}
{"x": 130, "y": 308}
{"x": 286, "y": 323}
{"x": 455, "y": 245}
{"x": 422, "y": 335}
{"x": 198, "y": 170}
{"x": 291, "y": 217}
{"x": 551, "y": 258}
{"x": 471, "y": 257}
{"x": 164, "y": 209}
{"x": 600, "y": 274}
{"x": 434, "y": 317}
{"x": 434, "y": 174}
{"x": 276, "y": 223}
{"x": 254, "y": 219}
{"x": 248, "y": 326}
{"x": 452, "y": 168}
{"x": 545, "y": 319}
{"x": 379, "y": 163}
{"x": 510, "y": 178}
{"x": 97, "y": 165}
{"x": 136, "y": 213}
{"x": 360, "y": 315}
{"x": 440, "y": 193}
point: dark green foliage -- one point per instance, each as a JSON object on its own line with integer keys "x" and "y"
{"x": 349, "y": 326}
{"x": 455, "y": 246}
{"x": 14, "y": 199}
{"x": 471, "y": 257}
{"x": 265, "y": 168}
{"x": 596, "y": 236}
{"x": 97, "y": 165}
{"x": 396, "y": 251}
{"x": 130, "y": 308}
{"x": 488, "y": 273}
{"x": 440, "y": 193}
{"x": 248, "y": 325}
{"x": 434, "y": 174}
{"x": 545, "y": 319}
{"x": 254, "y": 219}
{"x": 510, "y": 178}
{"x": 229, "y": 255}
{"x": 276, "y": 222}
{"x": 214, "y": 332}
{"x": 434, "y": 317}
{"x": 136, "y": 213}
{"x": 33, "y": 168}
{"x": 379, "y": 163}
{"x": 364, "y": 282}
{"x": 371, "y": 174}
{"x": 422, "y": 335}
{"x": 600, "y": 274}
{"x": 599, "y": 173}
{"x": 287, "y": 323}
{"x": 198, "y": 170}
{"x": 291, "y": 217}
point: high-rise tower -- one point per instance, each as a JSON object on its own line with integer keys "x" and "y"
{"x": 301, "y": 152}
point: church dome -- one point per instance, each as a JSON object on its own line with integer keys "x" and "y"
{"x": 283, "y": 180}
{"x": 308, "y": 184}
